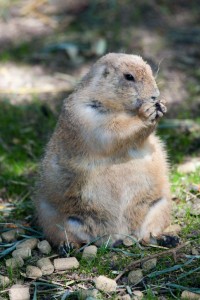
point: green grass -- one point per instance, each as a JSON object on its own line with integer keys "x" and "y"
{"x": 24, "y": 131}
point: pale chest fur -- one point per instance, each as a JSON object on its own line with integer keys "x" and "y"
{"x": 119, "y": 184}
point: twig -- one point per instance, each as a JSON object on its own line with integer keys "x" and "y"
{"x": 142, "y": 260}
{"x": 52, "y": 282}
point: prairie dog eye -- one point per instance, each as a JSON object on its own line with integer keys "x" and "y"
{"x": 129, "y": 77}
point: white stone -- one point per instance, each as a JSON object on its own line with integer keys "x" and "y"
{"x": 22, "y": 252}
{"x": 11, "y": 235}
{"x": 85, "y": 294}
{"x": 4, "y": 281}
{"x": 194, "y": 251}
{"x": 128, "y": 241}
{"x": 30, "y": 243}
{"x": 126, "y": 297}
{"x": 33, "y": 272}
{"x": 45, "y": 265}
{"x": 195, "y": 207}
{"x": 149, "y": 264}
{"x": 44, "y": 247}
{"x": 62, "y": 264}
{"x": 19, "y": 292}
{"x": 14, "y": 263}
{"x": 105, "y": 284}
{"x": 189, "y": 295}
{"x": 137, "y": 295}
{"x": 189, "y": 166}
{"x": 135, "y": 277}
{"x": 89, "y": 252}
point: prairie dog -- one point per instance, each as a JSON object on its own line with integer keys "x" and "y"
{"x": 104, "y": 173}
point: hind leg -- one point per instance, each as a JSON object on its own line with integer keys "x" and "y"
{"x": 155, "y": 221}
{"x": 58, "y": 229}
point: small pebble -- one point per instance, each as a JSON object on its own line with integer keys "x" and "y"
{"x": 149, "y": 264}
{"x": 128, "y": 241}
{"x": 45, "y": 265}
{"x": 83, "y": 294}
{"x": 44, "y": 247}
{"x": 126, "y": 297}
{"x": 16, "y": 262}
{"x": 30, "y": 243}
{"x": 33, "y": 272}
{"x": 195, "y": 207}
{"x": 105, "y": 284}
{"x": 135, "y": 277}
{"x": 62, "y": 264}
{"x": 194, "y": 251}
{"x": 4, "y": 281}
{"x": 22, "y": 252}
{"x": 89, "y": 252}
{"x": 188, "y": 167}
{"x": 189, "y": 295}
{"x": 11, "y": 235}
{"x": 137, "y": 295}
{"x": 19, "y": 292}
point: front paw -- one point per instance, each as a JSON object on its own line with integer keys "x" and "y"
{"x": 161, "y": 109}
{"x": 150, "y": 112}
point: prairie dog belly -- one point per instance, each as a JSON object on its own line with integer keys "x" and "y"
{"x": 117, "y": 186}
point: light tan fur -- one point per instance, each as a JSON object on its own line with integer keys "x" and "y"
{"x": 105, "y": 173}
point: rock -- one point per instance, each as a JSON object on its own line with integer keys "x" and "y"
{"x": 33, "y": 272}
{"x": 149, "y": 264}
{"x": 135, "y": 277}
{"x": 30, "y": 243}
{"x": 45, "y": 265}
{"x": 175, "y": 228}
{"x": 194, "y": 251}
{"x": 19, "y": 292}
{"x": 89, "y": 252}
{"x": 62, "y": 264}
{"x": 126, "y": 297}
{"x": 105, "y": 284}
{"x": 85, "y": 294}
{"x": 4, "y": 281}
{"x": 11, "y": 235}
{"x": 44, "y": 247}
{"x": 189, "y": 295}
{"x": 14, "y": 263}
{"x": 195, "y": 207}
{"x": 128, "y": 241}
{"x": 22, "y": 252}
{"x": 137, "y": 295}
{"x": 189, "y": 166}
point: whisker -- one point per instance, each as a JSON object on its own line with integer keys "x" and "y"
{"x": 158, "y": 69}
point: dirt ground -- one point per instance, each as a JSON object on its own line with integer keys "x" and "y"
{"x": 45, "y": 46}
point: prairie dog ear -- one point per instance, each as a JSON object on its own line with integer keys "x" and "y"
{"x": 103, "y": 71}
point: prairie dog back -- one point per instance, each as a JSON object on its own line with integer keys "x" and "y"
{"x": 104, "y": 172}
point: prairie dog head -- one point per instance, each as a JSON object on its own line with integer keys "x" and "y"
{"x": 118, "y": 83}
